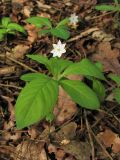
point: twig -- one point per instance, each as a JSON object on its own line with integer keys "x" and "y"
{"x": 110, "y": 114}
{"x": 89, "y": 134}
{"x": 83, "y": 34}
{"x": 11, "y": 86}
{"x": 21, "y": 64}
{"x": 105, "y": 14}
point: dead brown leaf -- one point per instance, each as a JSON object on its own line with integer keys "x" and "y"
{"x": 27, "y": 11}
{"x": 60, "y": 154}
{"x": 7, "y": 70}
{"x": 66, "y": 133}
{"x": 65, "y": 108}
{"x": 80, "y": 150}
{"x": 110, "y": 139}
{"x": 10, "y": 107}
{"x": 108, "y": 57}
{"x": 32, "y": 33}
{"x": 18, "y": 51}
{"x": 102, "y": 36}
{"x": 30, "y": 150}
{"x": 19, "y": 1}
{"x": 33, "y": 132}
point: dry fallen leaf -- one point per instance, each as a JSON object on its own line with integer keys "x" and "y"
{"x": 33, "y": 132}
{"x": 108, "y": 57}
{"x": 60, "y": 154}
{"x": 27, "y": 11}
{"x": 30, "y": 150}
{"x": 80, "y": 150}
{"x": 110, "y": 139}
{"x": 65, "y": 107}
{"x": 19, "y": 51}
{"x": 10, "y": 107}
{"x": 102, "y": 36}
{"x": 32, "y": 33}
{"x": 19, "y": 1}
{"x": 7, "y": 70}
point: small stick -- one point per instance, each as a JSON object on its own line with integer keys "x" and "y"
{"x": 11, "y": 86}
{"x": 89, "y": 134}
{"x": 21, "y": 64}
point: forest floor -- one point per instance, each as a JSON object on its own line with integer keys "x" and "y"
{"x": 76, "y": 133}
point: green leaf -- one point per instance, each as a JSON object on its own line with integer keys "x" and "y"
{"x": 5, "y": 21}
{"x": 50, "y": 117}
{"x": 54, "y": 65}
{"x": 1, "y": 37}
{"x": 32, "y": 76}
{"x": 15, "y": 27}
{"x": 44, "y": 31}
{"x": 39, "y": 21}
{"x": 107, "y": 8}
{"x": 99, "y": 89}
{"x": 116, "y": 93}
{"x": 2, "y": 33}
{"x": 41, "y": 59}
{"x": 60, "y": 32}
{"x": 58, "y": 65}
{"x": 36, "y": 101}
{"x": 115, "y": 78}
{"x": 81, "y": 93}
{"x": 11, "y": 32}
{"x": 63, "y": 22}
{"x": 84, "y": 67}
{"x": 99, "y": 65}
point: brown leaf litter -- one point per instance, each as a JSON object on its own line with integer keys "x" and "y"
{"x": 108, "y": 57}
{"x": 110, "y": 139}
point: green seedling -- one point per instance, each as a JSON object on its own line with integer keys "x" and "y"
{"x": 116, "y": 90}
{"x": 8, "y": 27}
{"x": 60, "y": 30}
{"x": 40, "y": 94}
{"x": 114, "y": 8}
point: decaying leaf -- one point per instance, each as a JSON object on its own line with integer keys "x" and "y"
{"x": 65, "y": 108}
{"x": 27, "y": 11}
{"x": 108, "y": 57}
{"x": 32, "y": 33}
{"x": 30, "y": 150}
{"x": 18, "y": 51}
{"x": 64, "y": 138}
{"x": 80, "y": 150}
{"x": 110, "y": 139}
{"x": 10, "y": 107}
{"x": 33, "y": 132}
{"x": 102, "y": 36}
{"x": 67, "y": 132}
{"x": 7, "y": 70}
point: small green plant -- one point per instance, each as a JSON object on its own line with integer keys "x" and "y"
{"x": 40, "y": 94}
{"x": 116, "y": 90}
{"x": 61, "y": 30}
{"x": 8, "y": 27}
{"x": 114, "y": 8}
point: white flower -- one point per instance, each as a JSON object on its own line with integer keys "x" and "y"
{"x": 58, "y": 49}
{"x": 73, "y": 19}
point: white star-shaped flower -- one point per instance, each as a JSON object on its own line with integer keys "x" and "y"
{"x": 58, "y": 49}
{"x": 73, "y": 19}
